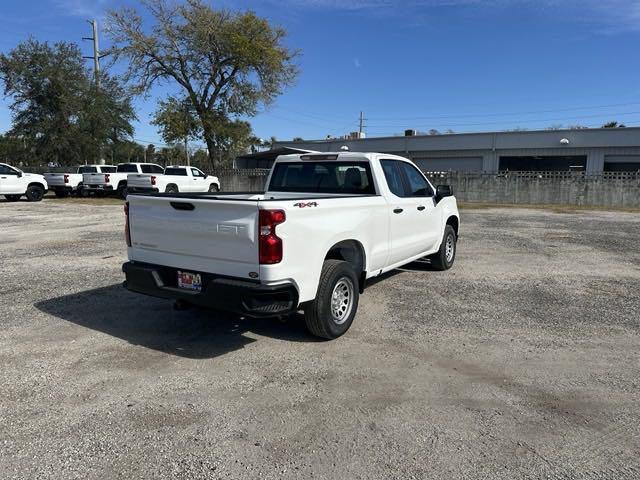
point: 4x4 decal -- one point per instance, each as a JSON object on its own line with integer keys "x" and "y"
{"x": 305, "y": 204}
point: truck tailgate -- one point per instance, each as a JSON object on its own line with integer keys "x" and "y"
{"x": 203, "y": 235}
{"x": 93, "y": 178}
{"x": 139, "y": 180}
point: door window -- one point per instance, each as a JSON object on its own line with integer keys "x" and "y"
{"x": 6, "y": 170}
{"x": 392, "y": 175}
{"x": 197, "y": 173}
{"x": 416, "y": 183}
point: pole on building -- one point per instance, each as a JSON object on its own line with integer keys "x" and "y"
{"x": 361, "y": 125}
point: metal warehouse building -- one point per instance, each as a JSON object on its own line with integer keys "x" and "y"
{"x": 590, "y": 150}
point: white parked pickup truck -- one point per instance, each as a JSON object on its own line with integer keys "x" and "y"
{"x": 326, "y": 224}
{"x": 14, "y": 183}
{"x": 65, "y": 184}
{"x": 175, "y": 179}
{"x": 106, "y": 183}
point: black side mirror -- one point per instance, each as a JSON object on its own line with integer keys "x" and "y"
{"x": 19, "y": 174}
{"x": 443, "y": 191}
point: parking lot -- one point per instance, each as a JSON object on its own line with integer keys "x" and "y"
{"x": 520, "y": 362}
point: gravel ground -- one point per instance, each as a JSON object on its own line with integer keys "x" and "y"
{"x": 520, "y": 362}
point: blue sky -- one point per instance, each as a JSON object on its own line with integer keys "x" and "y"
{"x": 464, "y": 65}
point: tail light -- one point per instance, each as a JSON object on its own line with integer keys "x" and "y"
{"x": 153, "y": 180}
{"x": 127, "y": 230}
{"x": 66, "y": 178}
{"x": 107, "y": 177}
{"x": 269, "y": 244}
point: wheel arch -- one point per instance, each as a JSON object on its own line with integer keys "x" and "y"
{"x": 454, "y": 221}
{"x": 37, "y": 184}
{"x": 353, "y": 252}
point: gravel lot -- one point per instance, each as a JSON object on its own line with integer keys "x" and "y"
{"x": 521, "y": 362}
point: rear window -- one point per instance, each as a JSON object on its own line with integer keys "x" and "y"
{"x": 87, "y": 170}
{"x": 108, "y": 169}
{"x": 127, "y": 168}
{"x": 151, "y": 169}
{"x": 323, "y": 177}
{"x": 181, "y": 172}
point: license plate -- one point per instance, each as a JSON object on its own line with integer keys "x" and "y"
{"x": 189, "y": 281}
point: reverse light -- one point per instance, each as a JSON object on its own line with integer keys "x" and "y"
{"x": 107, "y": 177}
{"x": 127, "y": 230}
{"x": 66, "y": 178}
{"x": 269, "y": 244}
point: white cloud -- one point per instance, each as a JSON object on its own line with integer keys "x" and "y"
{"x": 356, "y": 63}
{"x": 83, "y": 8}
{"x": 607, "y": 16}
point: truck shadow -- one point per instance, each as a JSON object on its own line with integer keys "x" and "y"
{"x": 153, "y": 323}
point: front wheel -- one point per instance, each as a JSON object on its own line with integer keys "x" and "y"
{"x": 35, "y": 193}
{"x": 12, "y": 198}
{"x": 332, "y": 312}
{"x": 443, "y": 259}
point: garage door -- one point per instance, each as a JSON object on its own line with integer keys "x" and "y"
{"x": 621, "y": 163}
{"x": 446, "y": 164}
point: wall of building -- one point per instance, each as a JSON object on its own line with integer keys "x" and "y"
{"x": 596, "y": 144}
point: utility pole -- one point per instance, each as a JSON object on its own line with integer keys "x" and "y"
{"x": 360, "y": 131}
{"x": 96, "y": 51}
{"x": 186, "y": 131}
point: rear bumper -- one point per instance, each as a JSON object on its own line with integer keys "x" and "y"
{"x": 100, "y": 187}
{"x": 131, "y": 189}
{"x": 239, "y": 296}
{"x": 61, "y": 188}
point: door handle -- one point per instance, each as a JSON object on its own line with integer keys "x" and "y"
{"x": 397, "y": 210}
{"x": 421, "y": 207}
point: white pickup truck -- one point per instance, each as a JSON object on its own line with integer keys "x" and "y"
{"x": 325, "y": 225}
{"x": 106, "y": 183}
{"x": 175, "y": 179}
{"x": 14, "y": 183}
{"x": 65, "y": 184}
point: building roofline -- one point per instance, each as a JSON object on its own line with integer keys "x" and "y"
{"x": 499, "y": 132}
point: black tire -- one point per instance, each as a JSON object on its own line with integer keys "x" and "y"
{"x": 61, "y": 193}
{"x": 318, "y": 314}
{"x": 34, "y": 193}
{"x": 213, "y": 188}
{"x": 80, "y": 191}
{"x": 171, "y": 189}
{"x": 12, "y": 198}
{"x": 440, "y": 260}
{"x": 122, "y": 191}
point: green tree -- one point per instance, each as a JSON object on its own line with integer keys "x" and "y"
{"x": 58, "y": 115}
{"x": 613, "y": 124}
{"x": 226, "y": 63}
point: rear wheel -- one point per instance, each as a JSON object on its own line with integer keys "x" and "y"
{"x": 444, "y": 258}
{"x": 213, "y": 188}
{"x": 34, "y": 193}
{"x": 122, "y": 191}
{"x": 12, "y": 198}
{"x": 171, "y": 189}
{"x": 332, "y": 312}
{"x": 61, "y": 193}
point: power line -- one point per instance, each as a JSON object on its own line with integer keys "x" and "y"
{"x": 465, "y": 115}
{"x": 600, "y": 115}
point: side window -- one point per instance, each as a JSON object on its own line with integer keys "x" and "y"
{"x": 4, "y": 170}
{"x": 157, "y": 169}
{"x": 418, "y": 186}
{"x": 146, "y": 169}
{"x": 196, "y": 173}
{"x": 392, "y": 175}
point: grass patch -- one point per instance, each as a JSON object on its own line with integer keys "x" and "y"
{"x": 553, "y": 207}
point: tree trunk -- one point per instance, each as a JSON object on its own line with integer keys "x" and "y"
{"x": 211, "y": 150}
